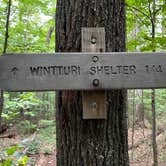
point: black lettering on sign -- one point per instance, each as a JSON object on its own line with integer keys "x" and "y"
{"x": 147, "y": 68}
{"x": 126, "y": 70}
{"x": 46, "y": 70}
{"x": 106, "y": 69}
{"x": 113, "y": 70}
{"x": 120, "y": 69}
{"x": 66, "y": 70}
{"x": 59, "y": 70}
{"x": 99, "y": 69}
{"x": 154, "y": 68}
{"x": 14, "y": 70}
{"x": 34, "y": 70}
{"x": 132, "y": 69}
{"x": 157, "y": 68}
{"x": 55, "y": 70}
{"x": 75, "y": 70}
{"x": 92, "y": 70}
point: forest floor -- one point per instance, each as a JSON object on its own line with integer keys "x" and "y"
{"x": 45, "y": 155}
{"x": 140, "y": 152}
{"x": 38, "y": 146}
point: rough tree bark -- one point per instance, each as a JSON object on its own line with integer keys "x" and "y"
{"x": 4, "y": 51}
{"x": 90, "y": 142}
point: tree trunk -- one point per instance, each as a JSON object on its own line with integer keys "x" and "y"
{"x": 91, "y": 142}
{"x": 4, "y": 51}
{"x": 1, "y": 106}
{"x": 153, "y": 103}
{"x": 133, "y": 126}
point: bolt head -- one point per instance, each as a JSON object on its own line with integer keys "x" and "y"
{"x": 93, "y": 40}
{"x": 95, "y": 58}
{"x": 94, "y": 105}
{"x": 96, "y": 82}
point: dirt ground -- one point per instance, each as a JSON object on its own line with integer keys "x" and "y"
{"x": 140, "y": 153}
{"x": 44, "y": 160}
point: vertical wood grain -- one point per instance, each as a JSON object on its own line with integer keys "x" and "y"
{"x": 94, "y": 102}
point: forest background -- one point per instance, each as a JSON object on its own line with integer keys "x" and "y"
{"x": 27, "y": 119}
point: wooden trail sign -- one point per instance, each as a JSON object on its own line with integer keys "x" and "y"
{"x": 94, "y": 102}
{"x": 82, "y": 71}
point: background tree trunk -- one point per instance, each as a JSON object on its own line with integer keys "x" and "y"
{"x": 1, "y": 107}
{"x": 153, "y": 102}
{"x": 4, "y": 51}
{"x": 91, "y": 142}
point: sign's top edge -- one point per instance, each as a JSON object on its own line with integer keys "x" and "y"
{"x": 86, "y": 53}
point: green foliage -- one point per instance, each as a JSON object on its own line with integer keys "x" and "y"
{"x": 26, "y": 127}
{"x": 30, "y": 22}
{"x": 22, "y": 103}
{"x": 11, "y": 150}
{"x": 139, "y": 25}
{"x": 142, "y": 17}
{"x": 33, "y": 148}
{"x": 13, "y": 156}
{"x": 160, "y": 95}
{"x": 46, "y": 137}
{"x": 7, "y": 162}
{"x": 23, "y": 161}
{"x": 46, "y": 123}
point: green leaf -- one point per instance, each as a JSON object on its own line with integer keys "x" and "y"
{"x": 30, "y": 114}
{"x": 12, "y": 150}
{"x": 7, "y": 162}
{"x": 23, "y": 161}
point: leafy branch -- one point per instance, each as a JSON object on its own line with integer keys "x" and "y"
{"x": 140, "y": 11}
